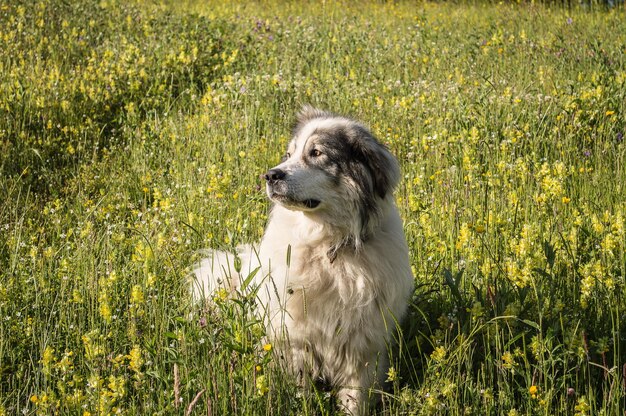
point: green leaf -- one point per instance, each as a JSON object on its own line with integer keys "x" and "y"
{"x": 531, "y": 324}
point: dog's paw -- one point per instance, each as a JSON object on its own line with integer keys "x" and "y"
{"x": 350, "y": 401}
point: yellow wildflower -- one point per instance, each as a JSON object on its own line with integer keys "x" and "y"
{"x": 136, "y": 295}
{"x": 47, "y": 359}
{"x": 439, "y": 354}
{"x": 582, "y": 408}
{"x": 135, "y": 361}
{"x": 261, "y": 385}
{"x": 508, "y": 361}
{"x": 105, "y": 309}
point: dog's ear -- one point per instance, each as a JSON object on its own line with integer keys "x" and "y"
{"x": 382, "y": 165}
{"x": 308, "y": 112}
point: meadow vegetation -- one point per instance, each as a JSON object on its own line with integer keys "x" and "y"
{"x": 132, "y": 134}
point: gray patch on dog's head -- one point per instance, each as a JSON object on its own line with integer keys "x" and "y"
{"x": 367, "y": 148}
{"x": 357, "y": 152}
{"x": 383, "y": 166}
{"x": 373, "y": 169}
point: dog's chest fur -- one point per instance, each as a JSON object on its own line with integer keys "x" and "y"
{"x": 332, "y": 310}
{"x": 328, "y": 317}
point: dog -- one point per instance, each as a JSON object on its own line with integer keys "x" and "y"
{"x": 332, "y": 269}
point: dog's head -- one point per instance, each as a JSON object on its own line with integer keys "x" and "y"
{"x": 334, "y": 169}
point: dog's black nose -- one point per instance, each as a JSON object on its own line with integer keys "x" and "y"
{"x": 274, "y": 175}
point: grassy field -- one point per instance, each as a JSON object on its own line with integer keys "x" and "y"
{"x": 133, "y": 134}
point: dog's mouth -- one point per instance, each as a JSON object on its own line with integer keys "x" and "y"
{"x": 306, "y": 204}
{"x": 311, "y": 203}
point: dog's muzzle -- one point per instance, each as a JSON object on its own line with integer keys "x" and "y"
{"x": 275, "y": 190}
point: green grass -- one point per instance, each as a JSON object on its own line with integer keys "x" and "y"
{"x": 133, "y": 135}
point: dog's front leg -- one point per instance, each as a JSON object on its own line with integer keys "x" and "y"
{"x": 300, "y": 363}
{"x": 353, "y": 398}
{"x": 350, "y": 400}
{"x": 358, "y": 395}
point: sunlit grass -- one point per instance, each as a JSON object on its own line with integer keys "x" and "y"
{"x": 133, "y": 135}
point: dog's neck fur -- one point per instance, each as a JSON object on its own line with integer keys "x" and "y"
{"x": 337, "y": 239}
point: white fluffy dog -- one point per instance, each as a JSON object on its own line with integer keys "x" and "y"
{"x": 333, "y": 266}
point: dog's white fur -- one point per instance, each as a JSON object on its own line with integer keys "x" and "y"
{"x": 333, "y": 284}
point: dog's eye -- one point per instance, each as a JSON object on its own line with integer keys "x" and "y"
{"x": 286, "y": 156}
{"x": 315, "y": 153}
